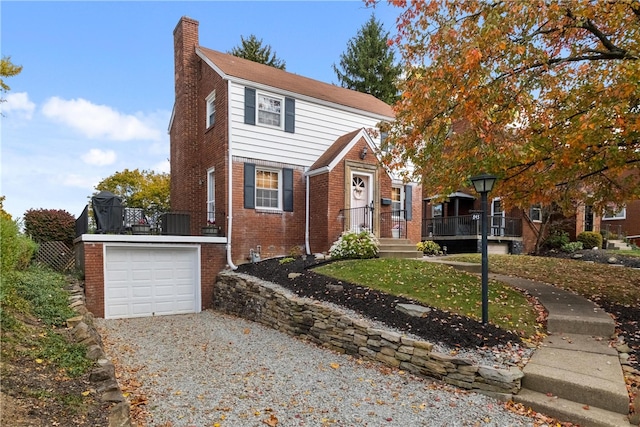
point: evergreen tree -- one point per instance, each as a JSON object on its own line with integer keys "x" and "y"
{"x": 369, "y": 65}
{"x": 252, "y": 49}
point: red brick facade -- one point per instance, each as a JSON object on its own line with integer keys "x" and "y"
{"x": 93, "y": 257}
{"x": 196, "y": 149}
{"x": 212, "y": 261}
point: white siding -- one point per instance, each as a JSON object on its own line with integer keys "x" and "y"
{"x": 317, "y": 126}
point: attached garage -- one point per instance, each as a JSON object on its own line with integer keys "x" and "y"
{"x": 151, "y": 280}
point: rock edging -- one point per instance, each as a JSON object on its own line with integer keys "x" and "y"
{"x": 276, "y": 307}
{"x": 103, "y": 375}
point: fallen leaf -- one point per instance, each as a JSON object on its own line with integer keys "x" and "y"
{"x": 335, "y": 365}
{"x": 272, "y": 421}
{"x": 586, "y": 407}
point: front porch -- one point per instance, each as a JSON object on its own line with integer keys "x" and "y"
{"x": 463, "y": 233}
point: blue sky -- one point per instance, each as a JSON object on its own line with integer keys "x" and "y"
{"x": 96, "y": 91}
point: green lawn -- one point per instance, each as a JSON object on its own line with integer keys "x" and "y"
{"x": 591, "y": 280}
{"x": 439, "y": 286}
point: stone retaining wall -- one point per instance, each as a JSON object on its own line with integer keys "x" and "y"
{"x": 328, "y": 326}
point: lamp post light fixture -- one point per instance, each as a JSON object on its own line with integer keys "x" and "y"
{"x": 484, "y": 184}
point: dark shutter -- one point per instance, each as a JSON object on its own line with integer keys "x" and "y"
{"x": 289, "y": 115}
{"x": 287, "y": 190}
{"x": 249, "y": 106}
{"x": 408, "y": 201}
{"x": 249, "y": 186}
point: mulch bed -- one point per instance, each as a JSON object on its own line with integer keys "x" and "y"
{"x": 437, "y": 327}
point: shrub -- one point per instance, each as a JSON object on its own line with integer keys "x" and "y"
{"x": 571, "y": 247}
{"x": 590, "y": 239}
{"x": 352, "y": 244}
{"x": 556, "y": 239}
{"x": 50, "y": 225}
{"x": 16, "y": 249}
{"x": 429, "y": 247}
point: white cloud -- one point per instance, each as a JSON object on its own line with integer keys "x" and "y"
{"x": 79, "y": 181}
{"x": 162, "y": 167}
{"x": 100, "y": 121}
{"x": 18, "y": 103}
{"x": 98, "y": 157}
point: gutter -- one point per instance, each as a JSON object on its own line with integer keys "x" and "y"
{"x": 306, "y": 219}
{"x": 229, "y": 180}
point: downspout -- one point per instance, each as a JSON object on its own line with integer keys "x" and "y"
{"x": 229, "y": 180}
{"x": 306, "y": 219}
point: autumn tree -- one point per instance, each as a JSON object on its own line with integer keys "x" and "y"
{"x": 140, "y": 189}
{"x": 543, "y": 94}
{"x": 7, "y": 69}
{"x": 253, "y": 50}
{"x": 369, "y": 64}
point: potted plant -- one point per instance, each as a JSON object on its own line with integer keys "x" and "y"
{"x": 142, "y": 227}
{"x": 211, "y": 229}
{"x": 395, "y": 231}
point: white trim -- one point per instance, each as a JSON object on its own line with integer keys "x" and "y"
{"x": 211, "y": 194}
{"x": 208, "y": 102}
{"x": 229, "y": 180}
{"x": 280, "y": 189}
{"x": 146, "y": 238}
{"x": 621, "y": 214}
{"x": 191, "y": 248}
{"x": 282, "y": 107}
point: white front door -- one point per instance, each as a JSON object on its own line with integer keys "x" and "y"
{"x": 497, "y": 218}
{"x": 361, "y": 198}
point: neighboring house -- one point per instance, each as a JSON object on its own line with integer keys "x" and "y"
{"x": 282, "y": 162}
{"x": 456, "y": 223}
{"x": 623, "y": 222}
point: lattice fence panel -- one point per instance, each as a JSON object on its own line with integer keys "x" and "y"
{"x": 56, "y": 255}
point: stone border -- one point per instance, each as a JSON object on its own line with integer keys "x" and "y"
{"x": 328, "y": 326}
{"x": 103, "y": 375}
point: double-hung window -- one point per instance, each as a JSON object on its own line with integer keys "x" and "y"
{"x": 616, "y": 214}
{"x": 267, "y": 189}
{"x": 211, "y": 109}
{"x": 535, "y": 213}
{"x": 269, "y": 110}
{"x": 211, "y": 196}
{"x": 396, "y": 202}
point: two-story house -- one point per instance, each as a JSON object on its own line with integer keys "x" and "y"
{"x": 281, "y": 162}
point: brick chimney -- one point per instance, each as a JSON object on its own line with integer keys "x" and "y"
{"x": 184, "y": 129}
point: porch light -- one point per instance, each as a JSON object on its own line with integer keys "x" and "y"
{"x": 484, "y": 184}
{"x": 363, "y": 153}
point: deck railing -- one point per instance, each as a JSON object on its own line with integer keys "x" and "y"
{"x": 134, "y": 220}
{"x": 471, "y": 225}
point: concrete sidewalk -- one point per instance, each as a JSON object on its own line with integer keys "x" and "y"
{"x": 575, "y": 375}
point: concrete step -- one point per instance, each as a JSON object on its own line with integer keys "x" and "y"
{"x": 383, "y": 253}
{"x": 566, "y": 410}
{"x": 583, "y": 377}
{"x": 576, "y": 324}
{"x": 618, "y": 245}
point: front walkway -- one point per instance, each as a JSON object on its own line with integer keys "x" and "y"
{"x": 575, "y": 375}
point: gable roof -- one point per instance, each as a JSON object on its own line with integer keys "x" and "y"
{"x": 232, "y": 66}
{"x": 330, "y": 158}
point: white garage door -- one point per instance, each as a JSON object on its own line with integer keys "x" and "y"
{"x": 151, "y": 281}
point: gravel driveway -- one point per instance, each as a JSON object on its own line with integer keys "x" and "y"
{"x": 210, "y": 369}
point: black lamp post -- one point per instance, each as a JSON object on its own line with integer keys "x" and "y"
{"x": 483, "y": 185}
